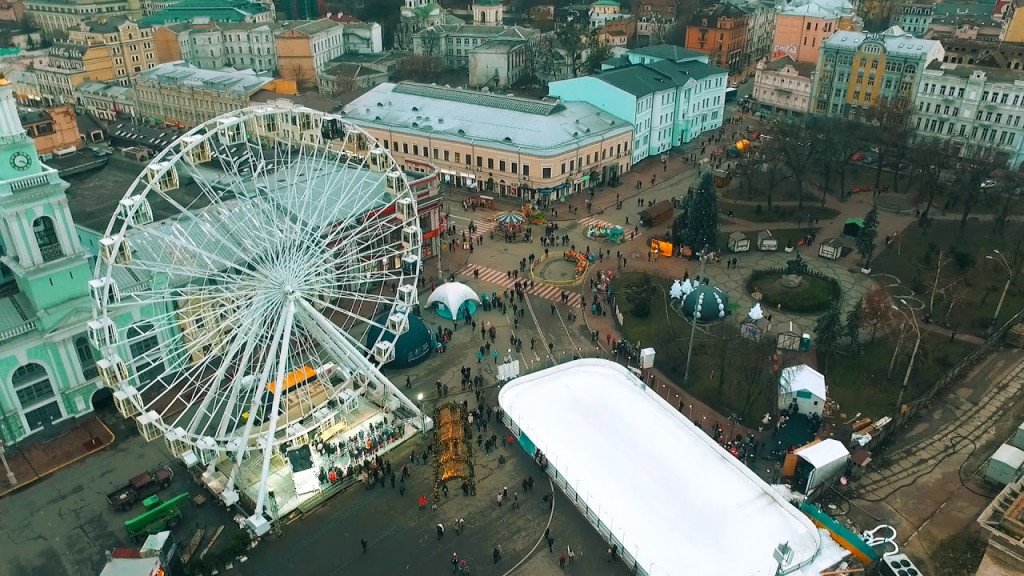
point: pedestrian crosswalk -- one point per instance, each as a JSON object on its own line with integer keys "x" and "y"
{"x": 483, "y": 227}
{"x": 591, "y": 221}
{"x": 546, "y": 291}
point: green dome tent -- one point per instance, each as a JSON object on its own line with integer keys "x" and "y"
{"x": 708, "y": 302}
{"x": 412, "y": 347}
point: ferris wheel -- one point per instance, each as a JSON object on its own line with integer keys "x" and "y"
{"x": 242, "y": 280}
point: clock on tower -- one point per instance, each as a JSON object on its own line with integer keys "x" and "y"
{"x": 18, "y": 155}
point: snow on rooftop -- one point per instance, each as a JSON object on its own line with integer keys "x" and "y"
{"x": 678, "y": 502}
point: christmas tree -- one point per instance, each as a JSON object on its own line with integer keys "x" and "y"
{"x": 702, "y": 217}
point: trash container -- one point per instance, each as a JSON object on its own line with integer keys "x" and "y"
{"x": 151, "y": 502}
{"x": 805, "y": 343}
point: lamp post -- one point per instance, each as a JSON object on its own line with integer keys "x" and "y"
{"x": 693, "y": 319}
{"x": 423, "y": 416}
{"x": 1009, "y": 278}
{"x": 11, "y": 479}
{"x": 912, "y": 320}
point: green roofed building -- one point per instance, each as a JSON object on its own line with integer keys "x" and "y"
{"x": 211, "y": 11}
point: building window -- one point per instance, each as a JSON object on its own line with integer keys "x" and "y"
{"x": 563, "y": 169}
{"x": 35, "y": 393}
{"x": 490, "y": 163}
{"x": 142, "y": 341}
{"x": 446, "y": 156}
{"x": 526, "y": 169}
{"x": 405, "y": 147}
{"x": 87, "y": 357}
{"x": 415, "y": 150}
{"x": 479, "y": 161}
{"x": 46, "y": 238}
{"x": 546, "y": 172}
{"x": 501, "y": 165}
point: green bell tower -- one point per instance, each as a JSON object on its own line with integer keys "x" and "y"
{"x": 40, "y": 243}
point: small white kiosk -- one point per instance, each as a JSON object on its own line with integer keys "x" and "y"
{"x": 766, "y": 242}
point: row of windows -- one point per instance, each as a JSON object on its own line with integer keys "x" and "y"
{"x": 501, "y": 165}
{"x": 978, "y": 133}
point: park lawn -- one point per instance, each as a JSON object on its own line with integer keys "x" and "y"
{"x": 783, "y": 213}
{"x": 858, "y": 381}
{"x": 979, "y": 281}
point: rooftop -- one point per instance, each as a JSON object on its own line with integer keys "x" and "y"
{"x": 695, "y": 511}
{"x": 643, "y": 79}
{"x": 668, "y": 52}
{"x": 311, "y": 27}
{"x": 214, "y": 10}
{"x": 104, "y": 90}
{"x": 32, "y": 115}
{"x": 105, "y": 24}
{"x": 966, "y": 70}
{"x": 818, "y": 8}
{"x": 803, "y": 68}
{"x": 182, "y": 74}
{"x": 896, "y": 41}
{"x": 519, "y": 32}
{"x": 501, "y": 121}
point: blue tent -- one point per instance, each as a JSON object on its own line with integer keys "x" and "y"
{"x": 412, "y": 347}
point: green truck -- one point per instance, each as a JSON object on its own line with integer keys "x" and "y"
{"x": 159, "y": 517}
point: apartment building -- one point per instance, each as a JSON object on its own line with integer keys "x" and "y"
{"x": 305, "y": 48}
{"x": 182, "y": 95}
{"x": 857, "y": 69}
{"x": 530, "y": 149}
{"x": 973, "y": 107}
{"x": 1007, "y": 55}
{"x": 802, "y": 27}
{"x": 130, "y": 46}
{"x": 60, "y": 15}
{"x": 216, "y": 45}
{"x": 914, "y": 16}
{"x": 105, "y": 100}
{"x": 668, "y": 101}
{"x": 719, "y": 30}
{"x": 68, "y": 65}
{"x": 455, "y": 43}
{"x": 783, "y": 86}
{"x": 761, "y": 15}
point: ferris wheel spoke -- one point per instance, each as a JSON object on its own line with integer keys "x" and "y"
{"x": 189, "y": 245}
{"x": 354, "y": 316}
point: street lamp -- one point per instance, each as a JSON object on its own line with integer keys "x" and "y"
{"x": 693, "y": 317}
{"x": 912, "y": 320}
{"x": 423, "y": 416}
{"x": 1009, "y": 277}
{"x": 11, "y": 479}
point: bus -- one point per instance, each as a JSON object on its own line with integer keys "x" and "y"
{"x": 730, "y": 94}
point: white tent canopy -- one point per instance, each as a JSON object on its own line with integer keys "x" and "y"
{"x": 803, "y": 385}
{"x": 453, "y": 295}
{"x": 597, "y": 424}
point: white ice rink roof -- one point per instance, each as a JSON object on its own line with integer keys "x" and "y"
{"x": 678, "y": 502}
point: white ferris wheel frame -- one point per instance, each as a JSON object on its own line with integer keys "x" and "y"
{"x": 247, "y": 128}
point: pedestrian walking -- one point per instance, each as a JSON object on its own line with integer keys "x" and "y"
{"x": 440, "y": 531}
{"x": 499, "y": 499}
{"x": 364, "y": 543}
{"x": 551, "y": 544}
{"x": 572, "y": 554}
{"x": 423, "y": 502}
{"x": 561, "y": 561}
{"x": 496, "y": 554}
{"x": 455, "y": 562}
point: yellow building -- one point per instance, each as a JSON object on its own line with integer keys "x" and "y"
{"x": 68, "y": 65}
{"x": 304, "y": 50}
{"x": 1014, "y": 18}
{"x": 130, "y": 47}
{"x": 496, "y": 144}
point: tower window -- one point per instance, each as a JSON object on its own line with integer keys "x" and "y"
{"x": 46, "y": 238}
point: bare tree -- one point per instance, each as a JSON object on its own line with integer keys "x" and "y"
{"x": 976, "y": 165}
{"x": 420, "y": 68}
{"x": 796, "y": 151}
{"x": 430, "y": 41}
{"x": 892, "y": 118}
{"x": 877, "y": 313}
{"x": 929, "y": 160}
{"x": 845, "y": 140}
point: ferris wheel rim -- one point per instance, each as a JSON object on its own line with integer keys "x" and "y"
{"x": 173, "y": 154}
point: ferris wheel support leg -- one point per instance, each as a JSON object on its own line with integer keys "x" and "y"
{"x": 349, "y": 351}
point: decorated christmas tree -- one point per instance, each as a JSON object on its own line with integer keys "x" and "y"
{"x": 702, "y": 217}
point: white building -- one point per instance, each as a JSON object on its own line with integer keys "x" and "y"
{"x": 61, "y": 15}
{"x": 784, "y": 86}
{"x": 914, "y": 16}
{"x": 455, "y": 43}
{"x": 669, "y": 94}
{"x": 972, "y": 106}
{"x": 104, "y": 100}
{"x": 218, "y": 45}
{"x": 497, "y": 63}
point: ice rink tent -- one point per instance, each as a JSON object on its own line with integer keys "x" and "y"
{"x": 412, "y": 347}
{"x": 803, "y": 385}
{"x": 695, "y": 510}
{"x": 454, "y": 300}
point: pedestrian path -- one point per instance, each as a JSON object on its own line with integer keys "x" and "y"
{"x": 546, "y": 291}
{"x": 591, "y": 221}
{"x": 482, "y": 226}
